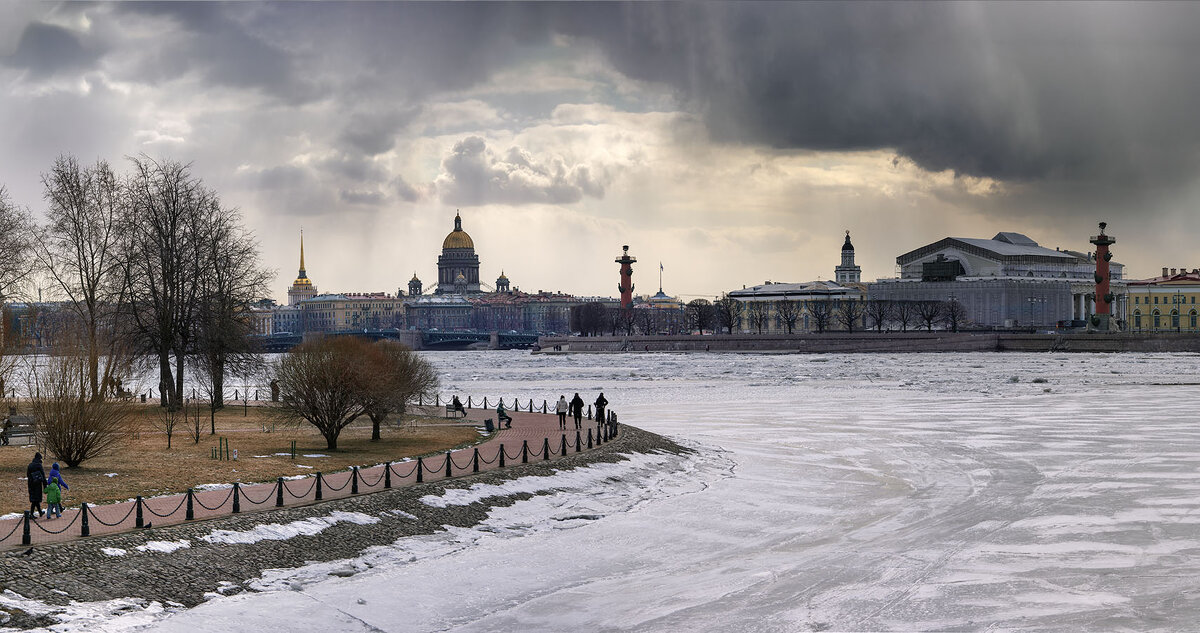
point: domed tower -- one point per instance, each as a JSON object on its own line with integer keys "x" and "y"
{"x": 414, "y": 286}
{"x": 458, "y": 258}
{"x": 847, "y": 272}
{"x": 502, "y": 283}
{"x": 303, "y": 287}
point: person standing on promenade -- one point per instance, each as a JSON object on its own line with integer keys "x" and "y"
{"x": 601, "y": 407}
{"x": 36, "y": 478}
{"x": 577, "y": 410}
{"x": 561, "y": 410}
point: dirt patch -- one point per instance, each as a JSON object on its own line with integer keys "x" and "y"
{"x": 142, "y": 465}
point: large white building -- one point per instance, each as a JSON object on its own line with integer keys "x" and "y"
{"x": 1009, "y": 280}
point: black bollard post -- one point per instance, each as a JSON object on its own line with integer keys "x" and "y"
{"x": 319, "y": 482}
{"x": 354, "y": 481}
{"x": 470, "y": 404}
{"x": 279, "y": 493}
{"x": 564, "y": 445}
{"x": 546, "y": 449}
{"x": 502, "y": 456}
{"x": 387, "y": 475}
{"x": 84, "y": 528}
{"x": 578, "y": 441}
{"x": 485, "y": 404}
{"x": 448, "y": 464}
{"x": 420, "y": 470}
{"x": 25, "y": 538}
{"x": 437, "y": 399}
{"x": 531, "y": 406}
{"x": 589, "y": 437}
{"x": 191, "y": 510}
{"x": 589, "y": 411}
{"x": 237, "y": 498}
{"x": 420, "y": 400}
{"x": 475, "y": 461}
{"x": 524, "y": 451}
{"x": 139, "y": 522}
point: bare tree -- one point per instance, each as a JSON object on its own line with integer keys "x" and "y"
{"x": 699, "y": 314}
{"x": 756, "y": 314}
{"x": 167, "y": 228}
{"x": 788, "y": 313}
{"x": 821, "y": 313}
{"x": 588, "y": 319}
{"x": 879, "y": 313}
{"x": 320, "y": 382}
{"x": 195, "y": 429}
{"x": 647, "y": 319}
{"x": 729, "y": 313}
{"x": 849, "y": 313}
{"x": 78, "y": 248}
{"x": 905, "y": 313}
{"x": 930, "y": 312}
{"x": 955, "y": 314}
{"x": 395, "y": 376}
{"x": 16, "y": 245}
{"x": 73, "y": 426}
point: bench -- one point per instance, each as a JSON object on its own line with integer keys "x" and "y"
{"x": 451, "y": 412}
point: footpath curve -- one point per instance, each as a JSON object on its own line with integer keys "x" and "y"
{"x": 532, "y": 437}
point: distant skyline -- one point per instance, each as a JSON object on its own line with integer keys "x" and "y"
{"x": 733, "y": 142}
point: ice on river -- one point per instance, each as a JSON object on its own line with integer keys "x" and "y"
{"x": 843, "y": 492}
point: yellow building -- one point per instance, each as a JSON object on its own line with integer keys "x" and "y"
{"x": 1166, "y": 303}
{"x": 345, "y": 312}
{"x": 303, "y": 287}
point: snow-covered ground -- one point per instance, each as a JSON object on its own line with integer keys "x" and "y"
{"x": 843, "y": 492}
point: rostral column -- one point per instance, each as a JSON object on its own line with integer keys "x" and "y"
{"x": 1104, "y": 296}
{"x": 626, "y": 286}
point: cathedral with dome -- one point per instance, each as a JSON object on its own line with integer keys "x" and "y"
{"x": 458, "y": 265}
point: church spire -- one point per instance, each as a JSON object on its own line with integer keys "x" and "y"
{"x": 302, "y": 275}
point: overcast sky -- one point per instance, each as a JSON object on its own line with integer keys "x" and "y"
{"x": 735, "y": 143}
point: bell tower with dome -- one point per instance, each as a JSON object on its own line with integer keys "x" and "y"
{"x": 848, "y": 272}
{"x": 303, "y": 287}
{"x": 458, "y": 259}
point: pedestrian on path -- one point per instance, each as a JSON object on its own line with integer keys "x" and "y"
{"x": 561, "y": 410}
{"x": 36, "y": 479}
{"x": 56, "y": 475}
{"x": 53, "y": 499}
{"x": 577, "y": 410}
{"x": 601, "y": 407}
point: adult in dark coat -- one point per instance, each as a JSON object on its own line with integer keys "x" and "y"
{"x": 36, "y": 478}
{"x": 577, "y": 410}
{"x": 601, "y": 407}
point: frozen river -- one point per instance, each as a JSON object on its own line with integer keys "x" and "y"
{"x": 840, "y": 492}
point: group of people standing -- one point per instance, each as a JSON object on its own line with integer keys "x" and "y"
{"x": 574, "y": 408}
{"x": 39, "y": 483}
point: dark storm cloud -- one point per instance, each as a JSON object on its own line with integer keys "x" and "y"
{"x": 46, "y": 50}
{"x": 474, "y": 175}
{"x": 1083, "y": 92}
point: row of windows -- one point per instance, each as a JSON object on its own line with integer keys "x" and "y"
{"x": 1178, "y": 299}
{"x": 1156, "y": 319}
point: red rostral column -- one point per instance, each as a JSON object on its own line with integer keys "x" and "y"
{"x": 1104, "y": 296}
{"x": 626, "y": 286}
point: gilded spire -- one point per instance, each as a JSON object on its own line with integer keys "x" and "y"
{"x": 302, "y": 275}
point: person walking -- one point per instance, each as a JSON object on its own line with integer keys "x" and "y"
{"x": 601, "y": 407}
{"x": 561, "y": 410}
{"x": 55, "y": 477}
{"x": 53, "y": 499}
{"x": 577, "y": 410}
{"x": 36, "y": 479}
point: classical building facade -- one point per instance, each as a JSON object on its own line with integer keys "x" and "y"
{"x": 458, "y": 265}
{"x": 847, "y": 272}
{"x": 1166, "y": 303}
{"x": 1006, "y": 281}
{"x": 351, "y": 311}
{"x": 817, "y": 306}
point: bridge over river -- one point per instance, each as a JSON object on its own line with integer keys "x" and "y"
{"x": 416, "y": 339}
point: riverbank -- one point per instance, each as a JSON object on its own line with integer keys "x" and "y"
{"x": 877, "y": 342}
{"x": 89, "y": 570}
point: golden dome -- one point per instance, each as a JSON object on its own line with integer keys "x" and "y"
{"x": 301, "y": 282}
{"x": 458, "y": 238}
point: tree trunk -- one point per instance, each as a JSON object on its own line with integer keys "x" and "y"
{"x": 375, "y": 421}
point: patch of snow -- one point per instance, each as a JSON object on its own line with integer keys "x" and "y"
{"x": 113, "y": 551}
{"x": 284, "y": 531}
{"x": 165, "y": 547}
{"x": 315, "y": 455}
{"x": 212, "y": 487}
{"x": 302, "y": 466}
{"x": 110, "y": 474}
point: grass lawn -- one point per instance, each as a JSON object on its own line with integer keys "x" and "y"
{"x": 142, "y": 465}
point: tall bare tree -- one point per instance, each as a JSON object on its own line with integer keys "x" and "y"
{"x": 729, "y": 312}
{"x": 756, "y": 314}
{"x": 79, "y": 249}
{"x": 320, "y": 382}
{"x": 849, "y": 313}
{"x": 789, "y": 313}
{"x": 930, "y": 312}
{"x": 647, "y": 320}
{"x": 905, "y": 313}
{"x": 955, "y": 315}
{"x": 821, "y": 314}
{"x": 16, "y": 264}
{"x": 699, "y": 313}
{"x": 167, "y": 228}
{"x": 879, "y": 313}
{"x": 395, "y": 376}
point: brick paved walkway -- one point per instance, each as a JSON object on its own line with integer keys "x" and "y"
{"x": 528, "y": 438}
